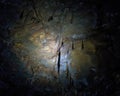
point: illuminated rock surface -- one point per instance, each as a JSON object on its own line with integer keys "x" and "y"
{"x": 56, "y": 47}
{"x": 38, "y": 46}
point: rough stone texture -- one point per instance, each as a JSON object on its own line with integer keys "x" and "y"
{"x": 38, "y": 45}
{"x": 59, "y": 48}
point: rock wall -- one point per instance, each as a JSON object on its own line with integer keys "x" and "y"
{"x": 52, "y": 40}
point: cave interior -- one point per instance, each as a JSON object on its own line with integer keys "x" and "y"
{"x": 59, "y": 48}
